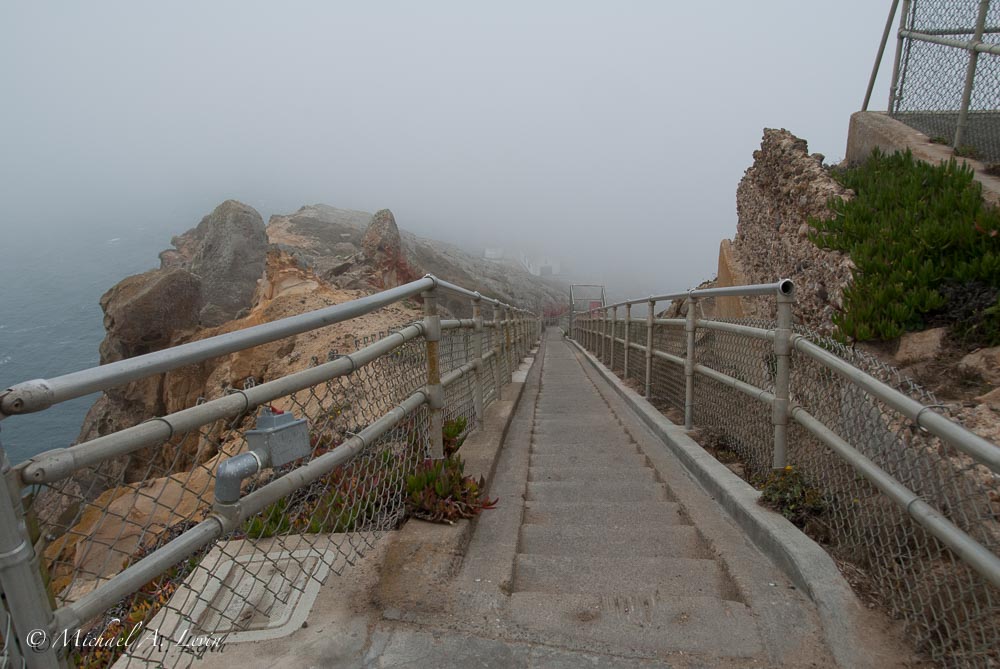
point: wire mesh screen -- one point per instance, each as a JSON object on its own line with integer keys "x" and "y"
{"x": 932, "y": 77}
{"x": 103, "y": 519}
{"x": 949, "y": 611}
{"x": 667, "y": 382}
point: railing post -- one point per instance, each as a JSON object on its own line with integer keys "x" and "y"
{"x": 894, "y": 88}
{"x": 435, "y": 392}
{"x": 651, "y": 307}
{"x": 26, "y": 596}
{"x": 628, "y": 325}
{"x": 689, "y": 329}
{"x": 600, "y": 335}
{"x": 782, "y": 355}
{"x": 498, "y": 352}
{"x": 607, "y": 338}
{"x": 614, "y": 336}
{"x": 477, "y": 356}
{"x": 508, "y": 344}
{"x": 970, "y": 74}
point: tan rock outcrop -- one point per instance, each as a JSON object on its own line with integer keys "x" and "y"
{"x": 783, "y": 188}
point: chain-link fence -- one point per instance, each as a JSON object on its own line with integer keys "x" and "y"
{"x": 146, "y": 562}
{"x": 946, "y": 77}
{"x": 889, "y": 466}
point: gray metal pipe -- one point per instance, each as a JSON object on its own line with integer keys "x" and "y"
{"x": 669, "y": 357}
{"x": 40, "y": 394}
{"x": 954, "y": 434}
{"x": 977, "y": 556}
{"x": 745, "y": 388}
{"x": 970, "y": 74}
{"x": 741, "y": 330}
{"x": 232, "y": 472}
{"x": 878, "y": 56}
{"x": 54, "y": 465}
{"x": 781, "y": 286}
{"x": 980, "y": 47}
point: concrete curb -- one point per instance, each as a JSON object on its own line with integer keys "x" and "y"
{"x": 811, "y": 568}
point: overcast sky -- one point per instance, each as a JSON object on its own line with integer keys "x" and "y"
{"x": 611, "y": 134}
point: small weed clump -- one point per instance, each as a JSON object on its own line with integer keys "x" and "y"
{"x": 912, "y": 229}
{"x": 440, "y": 492}
{"x": 787, "y": 492}
{"x": 453, "y": 434}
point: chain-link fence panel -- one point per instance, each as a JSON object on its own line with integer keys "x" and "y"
{"x": 950, "y": 612}
{"x": 117, "y": 513}
{"x": 102, "y": 520}
{"x": 932, "y": 76}
{"x": 667, "y": 386}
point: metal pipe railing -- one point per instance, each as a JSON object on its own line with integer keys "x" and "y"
{"x": 20, "y": 582}
{"x": 39, "y": 394}
{"x": 784, "y": 342}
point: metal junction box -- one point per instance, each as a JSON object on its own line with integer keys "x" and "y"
{"x": 279, "y": 438}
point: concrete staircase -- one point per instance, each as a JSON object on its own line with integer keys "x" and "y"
{"x": 605, "y": 551}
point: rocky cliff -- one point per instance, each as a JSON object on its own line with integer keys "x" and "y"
{"x": 335, "y": 244}
{"x": 783, "y": 188}
{"x": 226, "y": 274}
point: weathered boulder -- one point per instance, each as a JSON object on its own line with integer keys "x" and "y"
{"x": 143, "y": 312}
{"x": 917, "y": 347}
{"x": 227, "y": 251}
{"x": 384, "y": 251}
{"x": 985, "y": 362}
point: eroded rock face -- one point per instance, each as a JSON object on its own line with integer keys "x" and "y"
{"x": 227, "y": 251}
{"x": 783, "y": 188}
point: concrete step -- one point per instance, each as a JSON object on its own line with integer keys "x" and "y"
{"x": 703, "y": 625}
{"x": 652, "y": 539}
{"x": 609, "y": 514}
{"x": 602, "y": 472}
{"x": 582, "y": 458}
{"x": 578, "y": 435}
{"x": 586, "y": 491}
{"x": 664, "y": 577}
{"x": 611, "y": 449}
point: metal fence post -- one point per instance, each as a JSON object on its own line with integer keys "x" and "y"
{"x": 498, "y": 352}
{"x": 689, "y": 329}
{"x": 508, "y": 344}
{"x": 600, "y": 334}
{"x": 614, "y": 336}
{"x": 477, "y": 356}
{"x": 894, "y": 87}
{"x": 628, "y": 325}
{"x": 435, "y": 392}
{"x": 970, "y": 74}
{"x": 26, "y": 596}
{"x": 782, "y": 354}
{"x": 651, "y": 307}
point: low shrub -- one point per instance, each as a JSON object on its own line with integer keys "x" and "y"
{"x": 787, "y": 492}
{"x": 440, "y": 492}
{"x": 911, "y": 229}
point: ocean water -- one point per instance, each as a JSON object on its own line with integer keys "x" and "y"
{"x": 50, "y": 317}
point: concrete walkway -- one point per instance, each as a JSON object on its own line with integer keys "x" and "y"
{"x": 602, "y": 552}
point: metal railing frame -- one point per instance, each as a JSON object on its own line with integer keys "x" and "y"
{"x": 26, "y": 595}
{"x": 784, "y": 342}
{"x": 974, "y": 45}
